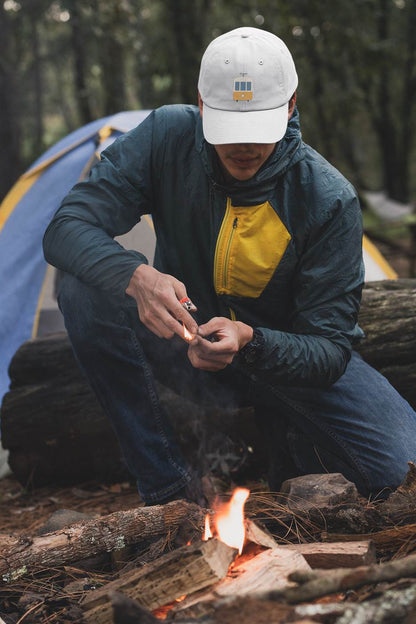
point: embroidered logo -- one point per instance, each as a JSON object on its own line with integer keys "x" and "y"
{"x": 243, "y": 89}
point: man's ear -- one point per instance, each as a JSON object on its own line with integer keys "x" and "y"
{"x": 292, "y": 104}
{"x": 200, "y": 103}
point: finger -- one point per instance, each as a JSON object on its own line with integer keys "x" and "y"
{"x": 199, "y": 352}
{"x": 187, "y": 304}
{"x": 208, "y": 365}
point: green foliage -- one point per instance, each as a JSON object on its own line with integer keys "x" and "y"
{"x": 67, "y": 62}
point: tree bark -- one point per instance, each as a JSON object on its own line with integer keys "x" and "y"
{"x": 314, "y": 584}
{"x": 21, "y": 555}
{"x": 10, "y": 158}
{"x": 80, "y": 62}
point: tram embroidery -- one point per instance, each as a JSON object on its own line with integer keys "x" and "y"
{"x": 243, "y": 89}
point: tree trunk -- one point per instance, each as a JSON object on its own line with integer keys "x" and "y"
{"x": 10, "y": 161}
{"x": 80, "y": 62}
{"x": 111, "y": 48}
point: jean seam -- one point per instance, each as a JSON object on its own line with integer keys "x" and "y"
{"x": 329, "y": 432}
{"x": 154, "y": 401}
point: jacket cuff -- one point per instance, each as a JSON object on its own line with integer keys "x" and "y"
{"x": 253, "y": 350}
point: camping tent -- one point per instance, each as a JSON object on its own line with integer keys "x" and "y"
{"x": 26, "y": 212}
{"x": 24, "y": 217}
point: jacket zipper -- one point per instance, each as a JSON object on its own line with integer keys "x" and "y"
{"x": 223, "y": 248}
{"x": 227, "y": 253}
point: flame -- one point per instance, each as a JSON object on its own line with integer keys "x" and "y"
{"x": 207, "y": 531}
{"x": 187, "y": 334}
{"x": 229, "y": 520}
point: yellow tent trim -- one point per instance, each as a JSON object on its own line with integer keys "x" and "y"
{"x": 46, "y": 163}
{"x": 104, "y": 133}
{"x": 29, "y": 178}
{"x": 372, "y": 250}
{"x": 14, "y": 196}
{"x": 150, "y": 221}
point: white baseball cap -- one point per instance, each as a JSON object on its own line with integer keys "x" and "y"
{"x": 246, "y": 80}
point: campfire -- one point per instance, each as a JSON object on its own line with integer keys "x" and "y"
{"x": 229, "y": 568}
{"x": 229, "y": 521}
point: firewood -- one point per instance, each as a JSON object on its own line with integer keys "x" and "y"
{"x": 269, "y": 569}
{"x": 257, "y": 535}
{"x": 397, "y": 538}
{"x": 185, "y": 570}
{"x": 391, "y": 607}
{"x": 329, "y": 555}
{"x": 21, "y": 555}
{"x": 314, "y": 584}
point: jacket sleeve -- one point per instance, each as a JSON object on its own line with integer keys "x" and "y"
{"x": 79, "y": 239}
{"x": 327, "y": 294}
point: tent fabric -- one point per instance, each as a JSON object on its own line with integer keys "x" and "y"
{"x": 27, "y": 210}
{"x": 24, "y": 216}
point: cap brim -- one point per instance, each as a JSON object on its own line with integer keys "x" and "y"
{"x": 266, "y": 126}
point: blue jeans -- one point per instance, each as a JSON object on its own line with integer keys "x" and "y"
{"x": 360, "y": 427}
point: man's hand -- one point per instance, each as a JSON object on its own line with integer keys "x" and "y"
{"x": 228, "y": 337}
{"x": 157, "y": 296}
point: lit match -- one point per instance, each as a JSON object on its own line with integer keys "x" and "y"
{"x": 187, "y": 334}
{"x": 189, "y": 307}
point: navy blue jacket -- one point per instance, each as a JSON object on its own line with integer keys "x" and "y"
{"x": 281, "y": 251}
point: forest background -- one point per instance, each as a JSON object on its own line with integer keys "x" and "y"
{"x": 64, "y": 63}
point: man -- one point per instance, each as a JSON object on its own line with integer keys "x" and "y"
{"x": 264, "y": 237}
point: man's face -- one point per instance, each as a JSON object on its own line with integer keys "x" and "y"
{"x": 243, "y": 160}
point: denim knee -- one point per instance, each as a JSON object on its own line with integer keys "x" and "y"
{"x": 81, "y": 305}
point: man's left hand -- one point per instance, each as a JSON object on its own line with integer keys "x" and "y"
{"x": 217, "y": 342}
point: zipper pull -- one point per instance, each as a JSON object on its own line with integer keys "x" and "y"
{"x": 235, "y": 223}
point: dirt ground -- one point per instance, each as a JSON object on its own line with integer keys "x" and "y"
{"x": 23, "y": 511}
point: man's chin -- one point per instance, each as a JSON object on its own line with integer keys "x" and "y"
{"x": 241, "y": 174}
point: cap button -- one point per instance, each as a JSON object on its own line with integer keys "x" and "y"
{"x": 244, "y": 36}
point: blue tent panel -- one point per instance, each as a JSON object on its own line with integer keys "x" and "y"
{"x": 22, "y": 266}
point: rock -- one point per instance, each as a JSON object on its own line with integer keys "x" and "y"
{"x": 317, "y": 491}
{"x": 63, "y": 518}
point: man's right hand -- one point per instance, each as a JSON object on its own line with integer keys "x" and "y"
{"x": 157, "y": 296}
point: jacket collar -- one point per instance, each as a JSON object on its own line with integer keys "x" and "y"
{"x": 258, "y": 188}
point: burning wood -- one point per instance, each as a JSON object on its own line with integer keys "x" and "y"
{"x": 211, "y": 574}
{"x": 229, "y": 521}
{"x": 183, "y": 571}
{"x": 268, "y": 569}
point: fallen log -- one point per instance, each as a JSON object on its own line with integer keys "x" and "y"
{"x": 56, "y": 431}
{"x": 21, "y": 555}
{"x": 314, "y": 584}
